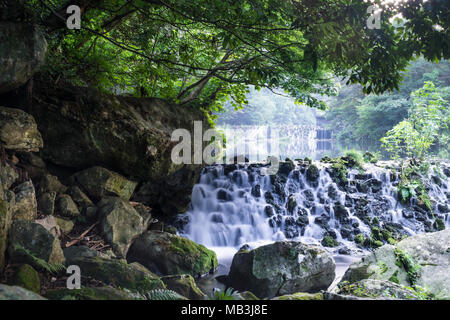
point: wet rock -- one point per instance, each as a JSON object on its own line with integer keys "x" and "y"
{"x": 282, "y": 268}
{"x": 99, "y": 182}
{"x": 50, "y": 183}
{"x": 291, "y": 204}
{"x": 120, "y": 223}
{"x": 421, "y": 260}
{"x": 168, "y": 254}
{"x": 286, "y": 167}
{"x": 46, "y": 203}
{"x": 224, "y": 195}
{"x": 18, "y": 130}
{"x": 132, "y": 276}
{"x": 269, "y": 211}
{"x": 66, "y": 207}
{"x": 312, "y": 175}
{"x": 26, "y": 277}
{"x": 28, "y": 241}
{"x": 17, "y": 293}
{"x": 379, "y": 289}
{"x": 256, "y": 191}
{"x": 185, "y": 285}
{"x": 341, "y": 213}
{"x": 25, "y": 207}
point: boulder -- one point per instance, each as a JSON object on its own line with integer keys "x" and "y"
{"x": 75, "y": 252}
{"x": 120, "y": 223}
{"x": 169, "y": 254}
{"x": 92, "y": 293}
{"x": 31, "y": 243}
{"x": 5, "y": 223}
{"x": 422, "y": 260}
{"x": 17, "y": 293}
{"x": 301, "y": 296}
{"x": 22, "y": 51}
{"x": 18, "y": 130}
{"x": 46, "y": 203}
{"x": 185, "y": 285}
{"x": 379, "y": 289}
{"x": 117, "y": 272}
{"x": 85, "y": 205}
{"x": 281, "y": 268}
{"x": 99, "y": 182}
{"x": 51, "y": 183}
{"x": 50, "y": 223}
{"x": 65, "y": 207}
{"x": 65, "y": 225}
{"x": 83, "y": 127}
{"x": 7, "y": 176}
{"x": 25, "y": 207}
{"x": 26, "y": 277}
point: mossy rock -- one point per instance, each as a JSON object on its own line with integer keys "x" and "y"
{"x": 184, "y": 285}
{"x": 301, "y": 296}
{"x": 169, "y": 254}
{"x": 133, "y": 276}
{"x": 5, "y": 222}
{"x": 28, "y": 278}
{"x": 313, "y": 173}
{"x": 94, "y": 293}
{"x": 328, "y": 241}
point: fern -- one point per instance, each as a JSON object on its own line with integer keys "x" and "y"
{"x": 164, "y": 294}
{"x": 38, "y": 263}
{"x": 229, "y": 294}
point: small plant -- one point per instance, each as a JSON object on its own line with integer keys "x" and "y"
{"x": 412, "y": 269}
{"x": 353, "y": 159}
{"x": 371, "y": 157}
{"x": 164, "y": 294}
{"x": 228, "y": 294}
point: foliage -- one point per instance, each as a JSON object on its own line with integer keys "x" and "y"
{"x": 412, "y": 269}
{"x": 164, "y": 294}
{"x": 360, "y": 121}
{"x": 415, "y": 135}
{"x": 371, "y": 157}
{"x": 228, "y": 294}
{"x": 38, "y": 263}
{"x": 209, "y": 51}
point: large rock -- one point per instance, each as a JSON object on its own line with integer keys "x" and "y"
{"x": 99, "y": 182}
{"x": 120, "y": 223}
{"x": 92, "y": 293}
{"x": 22, "y": 51}
{"x": 26, "y": 277}
{"x": 422, "y": 260}
{"x": 185, "y": 285}
{"x": 282, "y": 268}
{"x": 18, "y": 130}
{"x": 31, "y": 243}
{"x": 82, "y": 128}
{"x": 116, "y": 272}
{"x": 169, "y": 254}
{"x": 17, "y": 293}
{"x": 379, "y": 289}
{"x": 66, "y": 207}
{"x": 5, "y": 222}
{"x": 25, "y": 207}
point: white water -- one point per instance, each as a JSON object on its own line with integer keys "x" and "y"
{"x": 225, "y": 215}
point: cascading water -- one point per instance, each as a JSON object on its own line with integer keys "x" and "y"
{"x": 233, "y": 205}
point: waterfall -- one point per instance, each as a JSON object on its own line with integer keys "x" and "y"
{"x": 233, "y": 205}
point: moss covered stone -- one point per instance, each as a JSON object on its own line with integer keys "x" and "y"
{"x": 28, "y": 278}
{"x": 301, "y": 296}
{"x": 169, "y": 254}
{"x": 119, "y": 273}
{"x": 5, "y": 222}
{"x": 328, "y": 241}
{"x": 95, "y": 293}
{"x": 184, "y": 285}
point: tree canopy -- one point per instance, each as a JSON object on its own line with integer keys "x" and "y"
{"x": 211, "y": 50}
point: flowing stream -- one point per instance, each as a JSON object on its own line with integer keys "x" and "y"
{"x": 233, "y": 205}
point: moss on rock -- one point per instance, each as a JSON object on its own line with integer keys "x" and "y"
{"x": 28, "y": 278}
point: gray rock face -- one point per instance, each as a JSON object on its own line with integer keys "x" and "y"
{"x": 28, "y": 240}
{"x": 282, "y": 268}
{"x": 25, "y": 207}
{"x": 17, "y": 293}
{"x": 18, "y": 130}
{"x": 422, "y": 260}
{"x": 99, "y": 182}
{"x": 120, "y": 223}
{"x": 22, "y": 51}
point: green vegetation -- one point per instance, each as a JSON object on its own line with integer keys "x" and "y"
{"x": 360, "y": 121}
{"x": 228, "y": 294}
{"x": 412, "y": 269}
{"x": 414, "y": 136}
{"x": 164, "y": 294}
{"x": 209, "y": 52}
{"x": 328, "y": 241}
